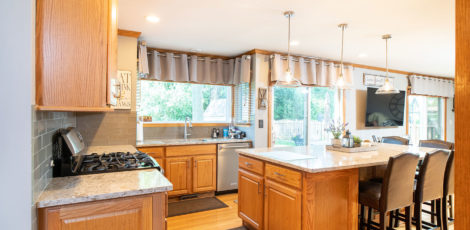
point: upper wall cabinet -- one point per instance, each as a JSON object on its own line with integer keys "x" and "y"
{"x": 76, "y": 54}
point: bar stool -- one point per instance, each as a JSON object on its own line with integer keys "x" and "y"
{"x": 439, "y": 144}
{"x": 395, "y": 140}
{"x": 448, "y": 190}
{"x": 429, "y": 186}
{"x": 395, "y": 192}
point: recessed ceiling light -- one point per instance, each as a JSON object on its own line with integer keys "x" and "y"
{"x": 152, "y": 19}
{"x": 362, "y": 55}
{"x": 294, "y": 43}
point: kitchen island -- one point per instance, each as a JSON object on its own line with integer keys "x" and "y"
{"x": 305, "y": 187}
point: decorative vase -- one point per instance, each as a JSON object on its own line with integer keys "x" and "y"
{"x": 336, "y": 142}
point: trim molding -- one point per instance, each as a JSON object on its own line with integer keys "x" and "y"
{"x": 129, "y": 33}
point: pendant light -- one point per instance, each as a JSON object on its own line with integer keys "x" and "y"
{"x": 340, "y": 82}
{"x": 387, "y": 87}
{"x": 290, "y": 80}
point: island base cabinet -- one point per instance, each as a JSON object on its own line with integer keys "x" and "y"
{"x": 250, "y": 198}
{"x": 282, "y": 207}
{"x": 146, "y": 212}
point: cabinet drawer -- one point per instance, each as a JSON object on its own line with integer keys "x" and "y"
{"x": 155, "y": 152}
{"x": 188, "y": 150}
{"x": 250, "y": 164}
{"x": 284, "y": 175}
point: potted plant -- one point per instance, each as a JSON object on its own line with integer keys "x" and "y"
{"x": 336, "y": 129}
{"x": 357, "y": 141}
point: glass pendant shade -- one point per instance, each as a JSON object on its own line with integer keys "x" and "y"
{"x": 387, "y": 88}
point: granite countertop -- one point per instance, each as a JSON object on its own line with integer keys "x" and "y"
{"x": 110, "y": 148}
{"x": 314, "y": 159}
{"x": 102, "y": 186}
{"x": 189, "y": 141}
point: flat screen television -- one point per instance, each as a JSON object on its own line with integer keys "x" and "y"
{"x": 384, "y": 110}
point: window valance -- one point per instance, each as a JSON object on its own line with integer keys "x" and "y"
{"x": 431, "y": 86}
{"x": 205, "y": 70}
{"x": 310, "y": 71}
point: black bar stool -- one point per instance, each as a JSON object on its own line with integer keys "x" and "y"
{"x": 395, "y": 192}
{"x": 438, "y": 144}
{"x": 429, "y": 186}
{"x": 395, "y": 140}
{"x": 448, "y": 190}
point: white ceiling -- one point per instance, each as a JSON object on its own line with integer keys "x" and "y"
{"x": 422, "y": 30}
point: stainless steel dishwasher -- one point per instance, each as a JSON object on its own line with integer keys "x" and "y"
{"x": 227, "y": 166}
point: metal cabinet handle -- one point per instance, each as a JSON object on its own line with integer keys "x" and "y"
{"x": 258, "y": 187}
{"x": 279, "y": 174}
{"x": 248, "y": 164}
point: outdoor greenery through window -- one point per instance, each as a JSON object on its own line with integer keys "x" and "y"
{"x": 173, "y": 102}
{"x": 301, "y": 115}
{"x": 426, "y": 118}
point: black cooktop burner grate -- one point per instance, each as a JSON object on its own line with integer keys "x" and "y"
{"x": 115, "y": 161}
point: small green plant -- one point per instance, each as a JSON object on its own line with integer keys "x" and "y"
{"x": 357, "y": 140}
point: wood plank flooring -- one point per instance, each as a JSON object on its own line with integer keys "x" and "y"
{"x": 218, "y": 219}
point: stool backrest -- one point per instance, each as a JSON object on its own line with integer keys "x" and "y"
{"x": 431, "y": 176}
{"x": 395, "y": 140}
{"x": 449, "y": 176}
{"x": 398, "y": 182}
{"x": 439, "y": 144}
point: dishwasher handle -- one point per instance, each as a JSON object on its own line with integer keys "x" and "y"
{"x": 240, "y": 146}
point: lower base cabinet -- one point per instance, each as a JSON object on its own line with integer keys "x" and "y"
{"x": 178, "y": 172}
{"x": 250, "y": 201}
{"x": 282, "y": 207}
{"x": 147, "y": 212}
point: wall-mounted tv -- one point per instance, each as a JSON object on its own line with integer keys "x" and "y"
{"x": 385, "y": 109}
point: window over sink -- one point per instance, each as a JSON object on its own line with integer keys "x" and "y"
{"x": 172, "y": 102}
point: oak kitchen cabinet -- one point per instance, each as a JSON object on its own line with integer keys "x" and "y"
{"x": 76, "y": 54}
{"x": 145, "y": 212}
{"x": 190, "y": 168}
{"x": 275, "y": 197}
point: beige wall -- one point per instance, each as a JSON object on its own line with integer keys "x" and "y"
{"x": 118, "y": 127}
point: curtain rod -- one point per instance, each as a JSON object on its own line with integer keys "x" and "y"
{"x": 199, "y": 59}
{"x": 307, "y": 61}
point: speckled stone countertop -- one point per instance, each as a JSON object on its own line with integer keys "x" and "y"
{"x": 102, "y": 186}
{"x": 314, "y": 159}
{"x": 110, "y": 148}
{"x": 190, "y": 141}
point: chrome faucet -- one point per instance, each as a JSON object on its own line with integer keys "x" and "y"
{"x": 186, "y": 121}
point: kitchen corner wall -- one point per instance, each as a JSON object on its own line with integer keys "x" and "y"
{"x": 44, "y": 125}
{"x": 118, "y": 127}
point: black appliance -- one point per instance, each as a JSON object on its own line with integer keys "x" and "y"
{"x": 384, "y": 109}
{"x": 69, "y": 158}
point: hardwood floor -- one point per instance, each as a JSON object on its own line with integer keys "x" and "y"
{"x": 218, "y": 219}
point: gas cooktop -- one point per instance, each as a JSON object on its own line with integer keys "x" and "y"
{"x": 112, "y": 162}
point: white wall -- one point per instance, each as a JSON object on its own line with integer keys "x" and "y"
{"x": 17, "y": 74}
{"x": 261, "y": 74}
{"x": 356, "y": 106}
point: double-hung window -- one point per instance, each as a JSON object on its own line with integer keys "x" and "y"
{"x": 301, "y": 115}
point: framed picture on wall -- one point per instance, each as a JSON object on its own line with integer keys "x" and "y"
{"x": 374, "y": 80}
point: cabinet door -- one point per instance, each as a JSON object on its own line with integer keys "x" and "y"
{"x": 178, "y": 172}
{"x": 250, "y": 198}
{"x": 204, "y": 173}
{"x": 76, "y": 43}
{"x": 132, "y": 213}
{"x": 282, "y": 207}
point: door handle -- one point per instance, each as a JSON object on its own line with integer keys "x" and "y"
{"x": 248, "y": 164}
{"x": 279, "y": 174}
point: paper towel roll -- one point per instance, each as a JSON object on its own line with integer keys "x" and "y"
{"x": 140, "y": 131}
